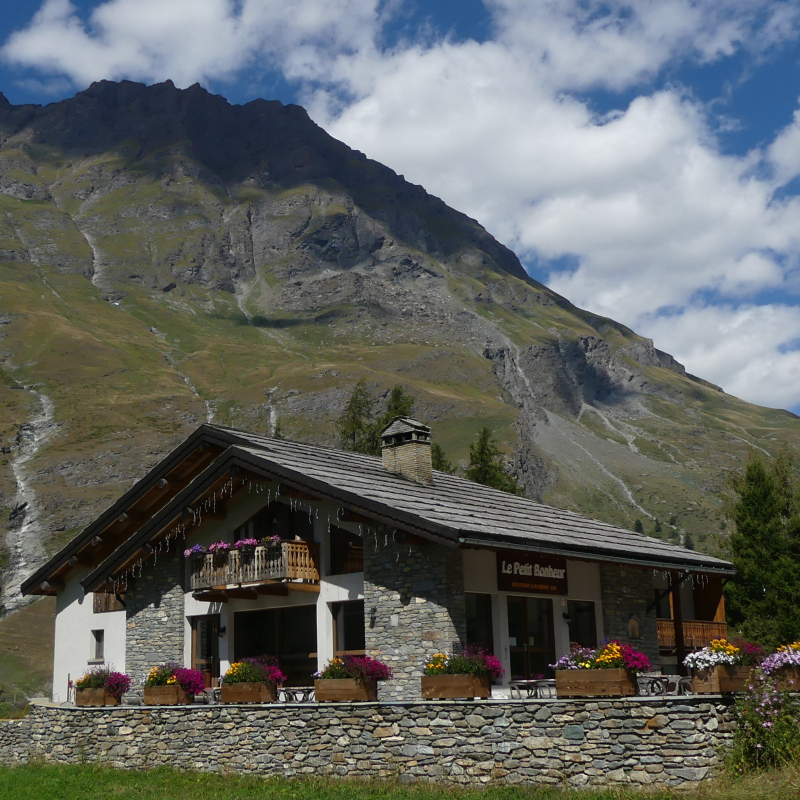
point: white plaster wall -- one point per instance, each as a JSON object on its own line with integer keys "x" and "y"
{"x": 333, "y": 589}
{"x": 74, "y": 644}
{"x": 480, "y": 575}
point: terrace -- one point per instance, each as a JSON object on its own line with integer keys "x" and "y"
{"x": 247, "y": 573}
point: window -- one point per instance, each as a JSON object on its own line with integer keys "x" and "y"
{"x": 277, "y": 519}
{"x": 582, "y": 627}
{"x": 289, "y": 634}
{"x": 479, "y": 621}
{"x": 348, "y": 628}
{"x": 347, "y": 552}
{"x": 98, "y": 639}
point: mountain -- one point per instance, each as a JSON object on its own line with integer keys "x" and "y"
{"x": 168, "y": 258}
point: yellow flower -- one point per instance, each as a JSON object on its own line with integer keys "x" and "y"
{"x": 171, "y": 680}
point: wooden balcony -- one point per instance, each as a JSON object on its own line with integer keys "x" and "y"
{"x": 269, "y": 569}
{"x": 696, "y": 633}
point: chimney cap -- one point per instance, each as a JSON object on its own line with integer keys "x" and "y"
{"x": 404, "y": 425}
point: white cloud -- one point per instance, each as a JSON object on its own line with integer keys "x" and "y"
{"x": 653, "y": 213}
{"x": 189, "y": 40}
{"x": 743, "y": 349}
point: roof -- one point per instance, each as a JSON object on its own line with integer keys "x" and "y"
{"x": 404, "y": 425}
{"x": 452, "y": 510}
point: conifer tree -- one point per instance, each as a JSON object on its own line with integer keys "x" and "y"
{"x": 637, "y": 526}
{"x": 354, "y": 426}
{"x": 440, "y": 461}
{"x": 764, "y": 596}
{"x": 486, "y": 464}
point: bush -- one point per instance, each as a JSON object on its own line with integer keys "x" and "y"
{"x": 767, "y": 726}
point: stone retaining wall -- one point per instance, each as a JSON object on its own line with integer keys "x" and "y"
{"x": 646, "y": 741}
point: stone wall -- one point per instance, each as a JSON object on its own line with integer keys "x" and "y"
{"x": 640, "y": 742}
{"x": 626, "y": 594}
{"x": 413, "y": 606}
{"x": 154, "y": 615}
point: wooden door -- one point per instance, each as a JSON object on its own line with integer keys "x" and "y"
{"x": 205, "y": 647}
{"x": 530, "y": 637}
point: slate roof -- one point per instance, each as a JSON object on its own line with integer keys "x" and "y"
{"x": 460, "y": 510}
{"x": 452, "y": 511}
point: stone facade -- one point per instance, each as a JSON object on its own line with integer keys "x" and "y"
{"x": 413, "y": 606}
{"x": 676, "y": 742}
{"x": 626, "y": 593}
{"x": 155, "y": 615}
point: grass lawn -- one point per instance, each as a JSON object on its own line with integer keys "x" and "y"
{"x": 99, "y": 783}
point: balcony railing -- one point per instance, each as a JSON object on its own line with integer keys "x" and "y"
{"x": 282, "y": 561}
{"x": 696, "y": 633}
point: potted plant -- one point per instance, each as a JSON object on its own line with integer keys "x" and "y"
{"x": 785, "y": 666}
{"x": 609, "y": 671}
{"x": 101, "y": 687}
{"x": 350, "y": 678}
{"x": 170, "y": 684}
{"x": 722, "y": 666}
{"x": 195, "y": 552}
{"x": 252, "y": 680}
{"x": 466, "y": 675}
{"x": 220, "y": 551}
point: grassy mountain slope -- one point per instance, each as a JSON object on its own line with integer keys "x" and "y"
{"x": 166, "y": 258}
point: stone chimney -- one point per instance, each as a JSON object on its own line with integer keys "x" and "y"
{"x": 406, "y": 449}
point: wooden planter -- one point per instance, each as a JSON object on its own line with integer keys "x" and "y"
{"x": 721, "y": 679}
{"x": 467, "y": 687}
{"x": 346, "y": 690}
{"x": 595, "y": 683}
{"x": 95, "y": 697}
{"x": 788, "y": 679}
{"x": 166, "y": 696}
{"x": 257, "y": 692}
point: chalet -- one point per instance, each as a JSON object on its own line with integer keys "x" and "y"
{"x": 357, "y": 554}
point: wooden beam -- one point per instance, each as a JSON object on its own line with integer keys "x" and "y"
{"x": 242, "y": 593}
{"x": 276, "y": 588}
{"x": 296, "y": 494}
{"x": 210, "y": 597}
{"x": 82, "y": 559}
{"x": 677, "y": 619}
{"x": 303, "y": 587}
{"x": 345, "y": 515}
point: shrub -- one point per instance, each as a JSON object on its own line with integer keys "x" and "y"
{"x": 360, "y": 668}
{"x": 767, "y": 726}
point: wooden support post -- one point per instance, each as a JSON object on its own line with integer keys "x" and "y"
{"x": 677, "y": 621}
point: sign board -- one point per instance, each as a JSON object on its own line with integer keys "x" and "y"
{"x": 531, "y": 573}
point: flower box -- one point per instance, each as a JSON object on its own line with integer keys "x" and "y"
{"x": 595, "y": 683}
{"x": 721, "y": 679}
{"x": 171, "y": 695}
{"x": 95, "y": 697}
{"x": 441, "y": 687}
{"x": 332, "y": 690}
{"x": 247, "y": 692}
{"x": 788, "y": 679}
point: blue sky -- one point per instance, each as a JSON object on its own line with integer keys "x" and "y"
{"x": 642, "y": 157}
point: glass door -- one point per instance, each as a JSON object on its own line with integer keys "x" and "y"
{"x": 205, "y": 647}
{"x": 530, "y": 637}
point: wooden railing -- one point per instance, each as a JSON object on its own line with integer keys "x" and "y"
{"x": 280, "y": 561}
{"x": 696, "y": 633}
